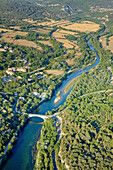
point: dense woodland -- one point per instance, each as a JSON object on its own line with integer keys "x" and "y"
{"x": 39, "y": 10}
{"x": 87, "y": 128}
{"x": 87, "y": 121}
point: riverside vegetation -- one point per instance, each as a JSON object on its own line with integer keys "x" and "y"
{"x": 87, "y": 129}
{"x": 24, "y": 80}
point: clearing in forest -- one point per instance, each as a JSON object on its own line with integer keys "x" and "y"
{"x": 16, "y": 27}
{"x": 5, "y": 30}
{"x": 9, "y": 37}
{"x": 46, "y": 43}
{"x": 71, "y": 61}
{"x": 61, "y": 33}
{"x": 53, "y": 23}
{"x": 54, "y": 72}
{"x": 26, "y": 43}
{"x": 66, "y": 43}
{"x": 83, "y": 27}
{"x": 43, "y": 31}
{"x": 110, "y": 46}
{"x": 104, "y": 45}
{"x": 60, "y": 36}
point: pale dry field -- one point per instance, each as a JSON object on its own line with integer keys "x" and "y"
{"x": 71, "y": 61}
{"x": 89, "y": 22}
{"x": 77, "y": 54}
{"x": 53, "y": 23}
{"x": 103, "y": 42}
{"x": 44, "y": 31}
{"x": 26, "y": 43}
{"x": 60, "y": 36}
{"x": 30, "y": 21}
{"x": 70, "y": 51}
{"x": 83, "y": 27}
{"x": 3, "y": 29}
{"x": 61, "y": 33}
{"x": 46, "y": 43}
{"x": 67, "y": 32}
{"x": 57, "y": 34}
{"x": 61, "y": 23}
{"x": 67, "y": 44}
{"x": 54, "y": 72}
{"x": 9, "y": 37}
{"x": 111, "y": 44}
{"x": 16, "y": 27}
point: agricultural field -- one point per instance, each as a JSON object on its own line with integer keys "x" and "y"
{"x": 104, "y": 44}
{"x": 54, "y": 72}
{"x": 43, "y": 31}
{"x": 16, "y": 27}
{"x": 26, "y": 43}
{"x": 46, "y": 43}
{"x": 5, "y": 30}
{"x": 66, "y": 43}
{"x": 110, "y": 47}
{"x": 53, "y": 23}
{"x": 83, "y": 27}
{"x": 61, "y": 33}
{"x": 9, "y": 37}
{"x": 73, "y": 60}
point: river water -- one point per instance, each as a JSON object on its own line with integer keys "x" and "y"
{"x": 21, "y": 158}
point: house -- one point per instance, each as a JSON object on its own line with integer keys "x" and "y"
{"x": 4, "y": 111}
{"x": 43, "y": 95}
{"x": 11, "y": 51}
{"x": 2, "y": 49}
{"x": 5, "y": 47}
{"x": 9, "y": 72}
{"x": 21, "y": 98}
{"x": 29, "y": 80}
{"x": 17, "y": 69}
{"x": 12, "y": 69}
{"x": 27, "y": 66}
{"x": 36, "y": 94}
{"x": 21, "y": 69}
{"x": 19, "y": 77}
{"x": 39, "y": 73}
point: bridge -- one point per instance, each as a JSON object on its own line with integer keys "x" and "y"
{"x": 37, "y": 115}
{"x": 43, "y": 116}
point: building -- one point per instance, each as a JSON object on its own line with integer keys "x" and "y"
{"x": 21, "y": 69}
{"x": 9, "y": 72}
{"x": 36, "y": 94}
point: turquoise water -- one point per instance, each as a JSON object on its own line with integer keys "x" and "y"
{"x": 21, "y": 158}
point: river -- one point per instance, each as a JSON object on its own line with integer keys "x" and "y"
{"x": 21, "y": 158}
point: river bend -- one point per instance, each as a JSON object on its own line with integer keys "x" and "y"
{"x": 21, "y": 158}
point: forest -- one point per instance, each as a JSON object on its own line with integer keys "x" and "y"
{"x": 37, "y": 53}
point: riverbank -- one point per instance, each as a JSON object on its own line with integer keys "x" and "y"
{"x": 50, "y": 104}
{"x": 71, "y": 84}
{"x": 11, "y": 144}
